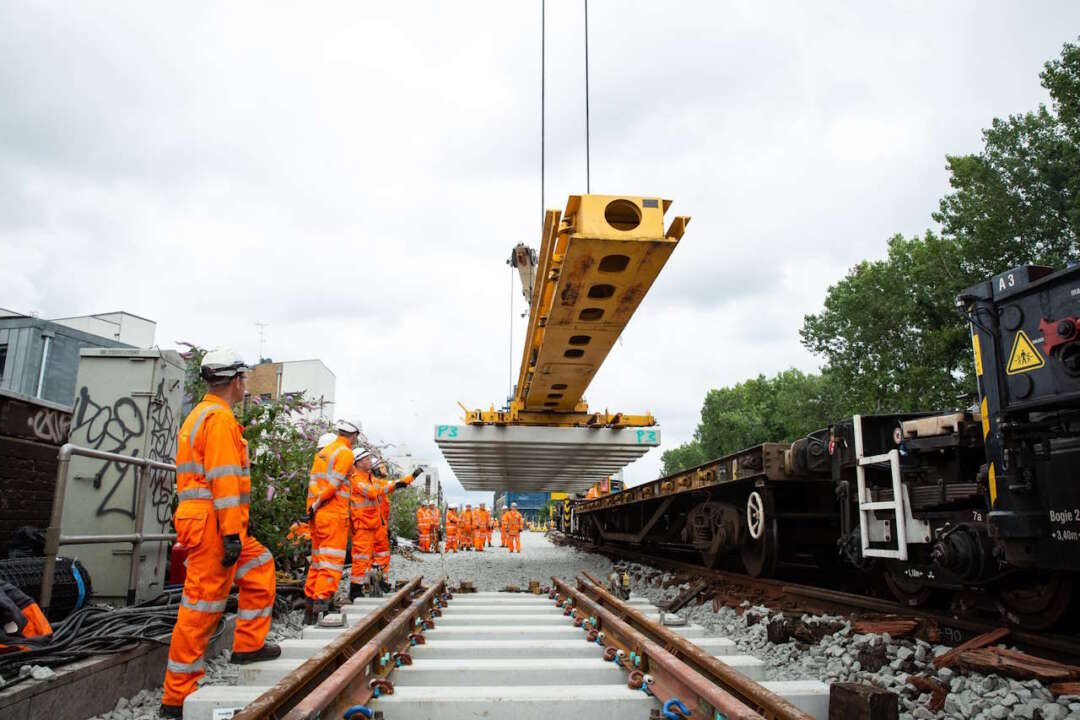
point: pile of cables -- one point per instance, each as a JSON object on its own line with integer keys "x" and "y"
{"x": 97, "y": 630}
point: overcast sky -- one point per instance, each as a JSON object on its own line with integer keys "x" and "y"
{"x": 356, "y": 176}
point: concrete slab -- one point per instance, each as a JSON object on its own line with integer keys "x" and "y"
{"x": 493, "y": 607}
{"x": 486, "y": 457}
{"x": 302, "y": 648}
{"x": 201, "y": 704}
{"x": 504, "y": 632}
{"x": 501, "y": 617}
{"x": 509, "y": 672}
{"x": 810, "y": 696}
{"x": 716, "y": 646}
{"x": 748, "y": 665}
{"x": 269, "y": 672}
{"x": 536, "y": 702}
{"x": 494, "y": 649}
{"x": 691, "y": 631}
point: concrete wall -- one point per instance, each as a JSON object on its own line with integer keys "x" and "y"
{"x": 315, "y": 380}
{"x": 31, "y": 433}
{"x": 120, "y": 327}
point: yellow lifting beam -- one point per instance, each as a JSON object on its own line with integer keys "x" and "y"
{"x": 596, "y": 262}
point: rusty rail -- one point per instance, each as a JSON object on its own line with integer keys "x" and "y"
{"x": 287, "y": 693}
{"x": 748, "y": 692}
{"x": 363, "y": 675}
{"x": 661, "y": 673}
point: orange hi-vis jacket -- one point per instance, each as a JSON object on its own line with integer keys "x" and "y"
{"x": 215, "y": 472}
{"x": 451, "y": 522}
{"x": 514, "y": 522}
{"x": 366, "y": 495}
{"x": 369, "y": 501}
{"x": 482, "y": 519}
{"x": 502, "y": 522}
{"x": 329, "y": 470}
{"x": 466, "y": 521}
{"x": 423, "y": 519}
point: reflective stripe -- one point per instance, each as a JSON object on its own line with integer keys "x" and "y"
{"x": 198, "y": 424}
{"x": 327, "y": 564}
{"x": 206, "y": 606}
{"x": 231, "y": 501}
{"x": 252, "y": 564}
{"x": 335, "y": 482}
{"x": 190, "y": 467}
{"x": 383, "y": 553}
{"x": 195, "y": 494}
{"x": 242, "y": 614}
{"x": 227, "y": 470}
{"x": 331, "y": 551}
{"x": 363, "y": 557}
{"x": 179, "y": 667}
{"x": 317, "y": 476}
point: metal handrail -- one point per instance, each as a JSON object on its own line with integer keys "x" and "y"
{"x": 53, "y": 538}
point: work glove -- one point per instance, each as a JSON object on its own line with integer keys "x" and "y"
{"x": 233, "y": 546}
{"x": 310, "y": 517}
{"x": 417, "y": 471}
{"x": 400, "y": 484}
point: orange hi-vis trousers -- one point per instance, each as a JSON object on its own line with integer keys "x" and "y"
{"x": 514, "y": 542}
{"x": 478, "y": 539}
{"x": 370, "y": 547}
{"x": 206, "y": 590}
{"x": 329, "y": 536}
{"x": 451, "y": 538}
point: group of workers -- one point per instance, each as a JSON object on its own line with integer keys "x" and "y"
{"x": 347, "y": 494}
{"x": 468, "y": 530}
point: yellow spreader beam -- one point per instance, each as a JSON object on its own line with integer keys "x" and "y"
{"x": 596, "y": 262}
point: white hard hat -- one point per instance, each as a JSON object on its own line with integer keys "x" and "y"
{"x": 360, "y": 453}
{"x": 325, "y": 439}
{"x": 344, "y": 427}
{"x": 221, "y": 364}
{"x": 513, "y": 504}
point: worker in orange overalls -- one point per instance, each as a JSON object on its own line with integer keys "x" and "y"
{"x": 371, "y": 543}
{"x": 466, "y": 525}
{"x": 300, "y": 531}
{"x": 435, "y": 530}
{"x": 424, "y": 519}
{"x": 451, "y": 529}
{"x": 213, "y": 484}
{"x": 480, "y": 528}
{"x": 502, "y": 526}
{"x": 514, "y": 525}
{"x": 496, "y": 526}
{"x": 328, "y": 514}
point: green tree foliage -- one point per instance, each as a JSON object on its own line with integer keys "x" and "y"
{"x": 782, "y": 408}
{"x": 890, "y": 333}
{"x": 403, "y": 505}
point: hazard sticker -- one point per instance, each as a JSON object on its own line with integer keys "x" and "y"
{"x": 1024, "y": 356}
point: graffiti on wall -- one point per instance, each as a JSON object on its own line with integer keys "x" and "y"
{"x": 119, "y": 428}
{"x": 49, "y": 425}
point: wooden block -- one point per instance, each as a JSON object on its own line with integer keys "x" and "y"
{"x": 855, "y": 701}
{"x": 983, "y": 640}
{"x": 1065, "y": 688}
{"x": 1015, "y": 664}
{"x": 895, "y": 628}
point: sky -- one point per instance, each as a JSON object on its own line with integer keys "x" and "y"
{"x": 354, "y": 175}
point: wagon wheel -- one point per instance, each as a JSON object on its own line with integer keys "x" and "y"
{"x": 759, "y": 553}
{"x": 908, "y": 591}
{"x": 1036, "y": 605}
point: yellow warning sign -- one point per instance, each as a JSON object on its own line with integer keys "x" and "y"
{"x": 1024, "y": 357}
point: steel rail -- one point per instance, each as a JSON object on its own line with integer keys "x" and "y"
{"x": 1064, "y": 647}
{"x": 284, "y": 695}
{"x": 743, "y": 688}
{"x": 363, "y": 675}
{"x": 664, "y": 673}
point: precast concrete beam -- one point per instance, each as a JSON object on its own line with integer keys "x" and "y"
{"x": 522, "y": 459}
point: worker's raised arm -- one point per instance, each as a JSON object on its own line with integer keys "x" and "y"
{"x": 226, "y": 470}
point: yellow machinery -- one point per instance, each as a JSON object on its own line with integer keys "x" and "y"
{"x": 596, "y": 262}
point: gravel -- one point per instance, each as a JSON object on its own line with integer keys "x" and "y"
{"x": 495, "y": 568}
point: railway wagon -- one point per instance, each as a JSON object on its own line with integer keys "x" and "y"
{"x": 985, "y": 499}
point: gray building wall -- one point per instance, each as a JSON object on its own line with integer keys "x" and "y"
{"x": 24, "y": 338}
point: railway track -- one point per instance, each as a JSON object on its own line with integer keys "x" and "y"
{"x": 951, "y": 630}
{"x": 426, "y": 652}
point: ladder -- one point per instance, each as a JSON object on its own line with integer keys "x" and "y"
{"x": 867, "y": 507}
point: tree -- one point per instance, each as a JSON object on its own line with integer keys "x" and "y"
{"x": 778, "y": 409}
{"x": 403, "y": 505}
{"x": 890, "y": 333}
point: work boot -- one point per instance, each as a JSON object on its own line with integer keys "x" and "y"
{"x": 269, "y": 651}
{"x": 356, "y": 590}
{"x": 384, "y": 585}
{"x": 171, "y": 711}
{"x": 320, "y": 608}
